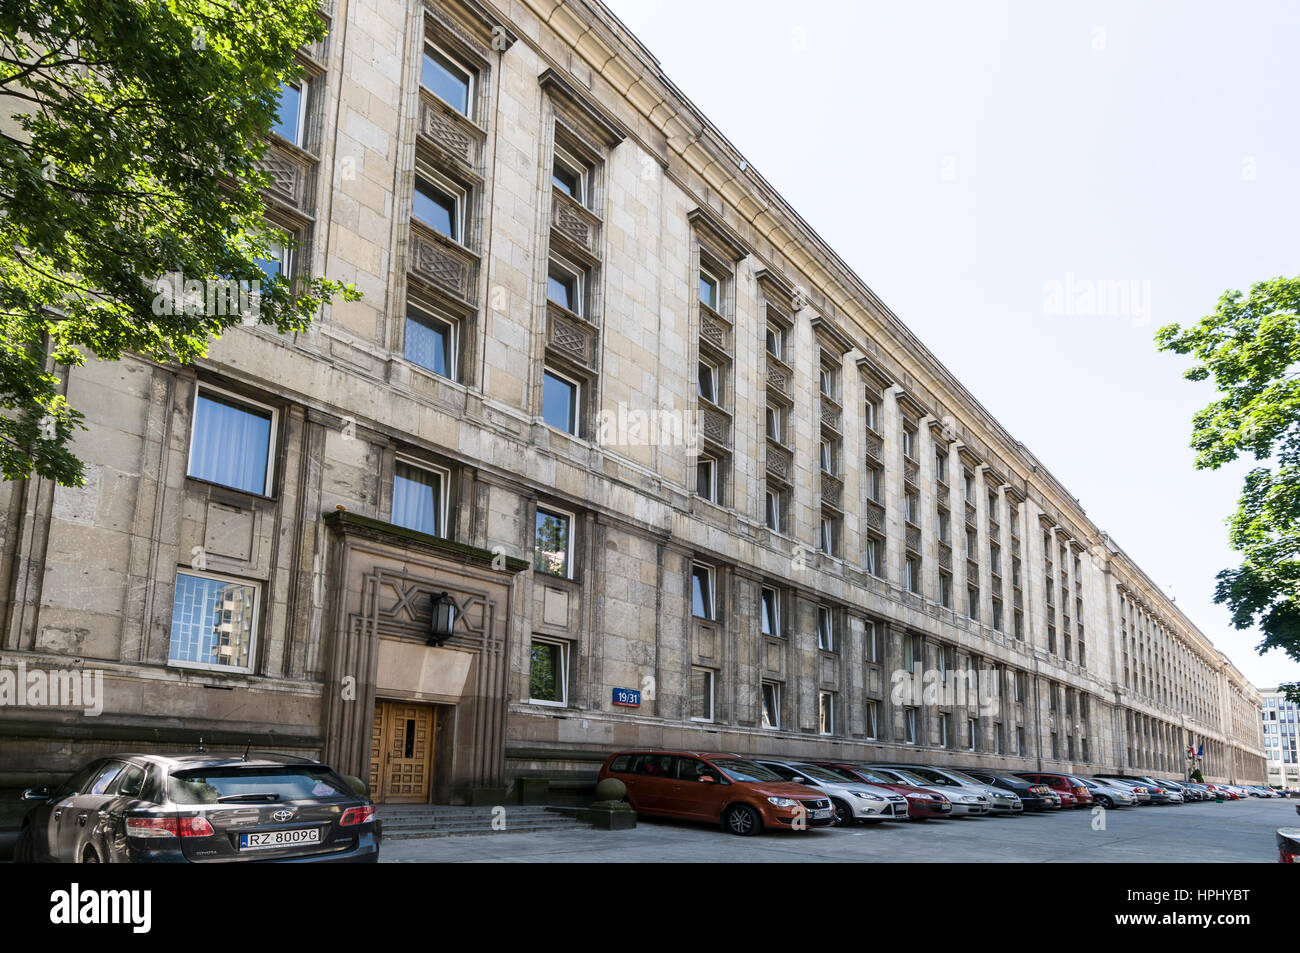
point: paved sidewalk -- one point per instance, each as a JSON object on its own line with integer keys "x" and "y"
{"x": 1191, "y": 833}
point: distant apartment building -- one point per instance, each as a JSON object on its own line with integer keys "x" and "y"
{"x": 1280, "y": 720}
{"x": 614, "y": 451}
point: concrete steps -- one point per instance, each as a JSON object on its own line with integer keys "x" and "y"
{"x": 406, "y": 821}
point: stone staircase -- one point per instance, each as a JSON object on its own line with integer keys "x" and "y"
{"x": 405, "y": 821}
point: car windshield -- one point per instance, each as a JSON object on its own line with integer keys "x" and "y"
{"x": 226, "y": 785}
{"x": 813, "y": 771}
{"x": 876, "y": 778}
{"x": 934, "y": 777}
{"x": 841, "y": 774}
{"x": 913, "y": 779}
{"x": 963, "y": 777}
{"x": 739, "y": 770}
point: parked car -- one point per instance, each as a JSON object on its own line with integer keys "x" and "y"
{"x": 199, "y": 808}
{"x": 741, "y": 795}
{"x": 965, "y": 803}
{"x": 1063, "y": 784}
{"x": 1108, "y": 794}
{"x": 1170, "y": 794}
{"x": 850, "y": 800}
{"x": 1034, "y": 797}
{"x": 1288, "y": 844}
{"x": 921, "y": 804}
{"x": 999, "y": 801}
{"x": 1155, "y": 793}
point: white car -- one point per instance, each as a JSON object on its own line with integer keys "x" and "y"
{"x": 1110, "y": 793}
{"x": 850, "y": 800}
{"x": 966, "y": 802}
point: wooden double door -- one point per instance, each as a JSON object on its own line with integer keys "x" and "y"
{"x": 401, "y": 752}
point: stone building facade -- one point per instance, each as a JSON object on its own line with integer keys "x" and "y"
{"x": 680, "y": 476}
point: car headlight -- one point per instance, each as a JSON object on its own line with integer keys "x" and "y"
{"x": 782, "y": 801}
{"x": 867, "y": 796}
{"x": 971, "y": 798}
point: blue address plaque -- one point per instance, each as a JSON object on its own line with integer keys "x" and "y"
{"x": 627, "y": 697}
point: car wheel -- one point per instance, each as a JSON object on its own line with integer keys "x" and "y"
{"x": 25, "y": 846}
{"x": 843, "y": 813}
{"x": 743, "y": 820}
{"x": 1105, "y": 802}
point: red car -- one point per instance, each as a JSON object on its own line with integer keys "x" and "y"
{"x": 921, "y": 804}
{"x": 1062, "y": 784}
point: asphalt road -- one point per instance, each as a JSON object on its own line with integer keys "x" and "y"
{"x": 1191, "y": 833}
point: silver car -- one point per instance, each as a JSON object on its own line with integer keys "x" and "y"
{"x": 1001, "y": 800}
{"x": 968, "y": 797}
{"x": 851, "y": 800}
{"x": 1110, "y": 793}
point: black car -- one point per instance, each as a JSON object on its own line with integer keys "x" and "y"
{"x": 1031, "y": 795}
{"x": 199, "y": 808}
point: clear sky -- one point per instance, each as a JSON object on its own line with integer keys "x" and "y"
{"x": 984, "y": 165}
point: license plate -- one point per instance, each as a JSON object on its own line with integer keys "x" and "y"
{"x": 269, "y": 839}
{"x": 820, "y": 814}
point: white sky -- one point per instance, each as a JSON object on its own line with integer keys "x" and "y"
{"x": 961, "y": 156}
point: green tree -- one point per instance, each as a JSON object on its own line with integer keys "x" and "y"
{"x": 130, "y": 132}
{"x": 1250, "y": 348}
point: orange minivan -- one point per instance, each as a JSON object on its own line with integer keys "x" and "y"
{"x": 743, "y": 796}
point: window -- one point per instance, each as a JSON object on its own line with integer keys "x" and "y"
{"x": 446, "y": 78}
{"x": 912, "y": 574}
{"x": 771, "y": 611}
{"x": 873, "y": 719}
{"x": 828, "y": 457}
{"x": 973, "y": 603}
{"x": 553, "y": 543}
{"x": 873, "y": 642}
{"x": 708, "y": 382}
{"x": 701, "y": 694}
{"x": 548, "y": 672}
{"x": 871, "y": 413}
{"x": 826, "y": 628}
{"x": 876, "y": 484}
{"x": 709, "y": 290}
{"x": 419, "y": 500}
{"x": 560, "y": 402}
{"x": 828, "y": 379}
{"x": 771, "y": 705}
{"x": 945, "y": 720}
{"x": 775, "y": 506}
{"x": 774, "y": 341}
{"x": 430, "y": 343}
{"x": 997, "y": 614}
{"x": 968, "y": 485}
{"x": 945, "y": 527}
{"x": 702, "y": 593}
{"x": 564, "y": 287}
{"x": 231, "y": 442}
{"x": 871, "y": 555}
{"x": 972, "y": 544}
{"x": 214, "y": 622}
{"x": 829, "y": 535}
{"x": 993, "y": 506}
{"x": 826, "y": 713}
{"x": 438, "y": 208}
{"x": 292, "y": 112}
{"x": 909, "y": 726}
{"x": 278, "y": 262}
{"x": 972, "y": 734}
{"x": 1021, "y": 749}
{"x": 774, "y": 419}
{"x": 998, "y": 744}
{"x": 941, "y": 465}
{"x": 569, "y": 176}
{"x": 947, "y": 658}
{"x": 913, "y": 653}
{"x": 706, "y": 478}
{"x": 909, "y": 443}
{"x": 912, "y": 506}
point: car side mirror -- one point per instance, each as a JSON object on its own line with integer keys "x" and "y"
{"x": 798, "y": 780}
{"x": 36, "y": 794}
{"x": 709, "y": 778}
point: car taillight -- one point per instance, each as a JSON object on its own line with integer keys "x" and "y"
{"x": 357, "y": 815}
{"x": 1284, "y": 856}
{"x": 168, "y": 827}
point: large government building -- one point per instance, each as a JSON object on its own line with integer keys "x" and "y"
{"x": 614, "y": 451}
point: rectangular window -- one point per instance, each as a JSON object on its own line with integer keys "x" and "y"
{"x": 774, "y": 341}
{"x": 912, "y": 507}
{"x": 827, "y": 380}
{"x": 564, "y": 287}
{"x": 1021, "y": 748}
{"x": 706, "y": 478}
{"x": 972, "y": 544}
{"x": 774, "y": 419}
{"x": 909, "y": 443}
{"x": 701, "y": 694}
{"x": 708, "y": 290}
{"x": 997, "y": 614}
{"x": 279, "y": 261}
{"x": 945, "y": 720}
{"x": 972, "y": 734}
{"x": 430, "y": 343}
{"x": 873, "y": 643}
{"x": 771, "y": 705}
{"x": 214, "y": 622}
{"x": 708, "y": 382}
{"x": 826, "y": 713}
{"x": 909, "y": 726}
{"x": 871, "y": 412}
{"x": 941, "y": 465}
{"x": 548, "y": 672}
{"x": 437, "y": 208}
{"x": 291, "y": 113}
{"x": 973, "y": 603}
{"x": 553, "y": 543}
{"x": 913, "y": 653}
{"x": 827, "y": 457}
{"x": 945, "y": 527}
{"x": 231, "y": 442}
{"x": 829, "y": 535}
{"x": 825, "y": 628}
{"x": 569, "y": 176}
{"x": 912, "y": 574}
{"x": 702, "y": 593}
{"x": 418, "y": 499}
{"x": 873, "y": 720}
{"x": 771, "y": 611}
{"x": 775, "y": 504}
{"x": 446, "y": 78}
{"x": 876, "y": 484}
{"x": 560, "y": 402}
{"x": 871, "y": 555}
